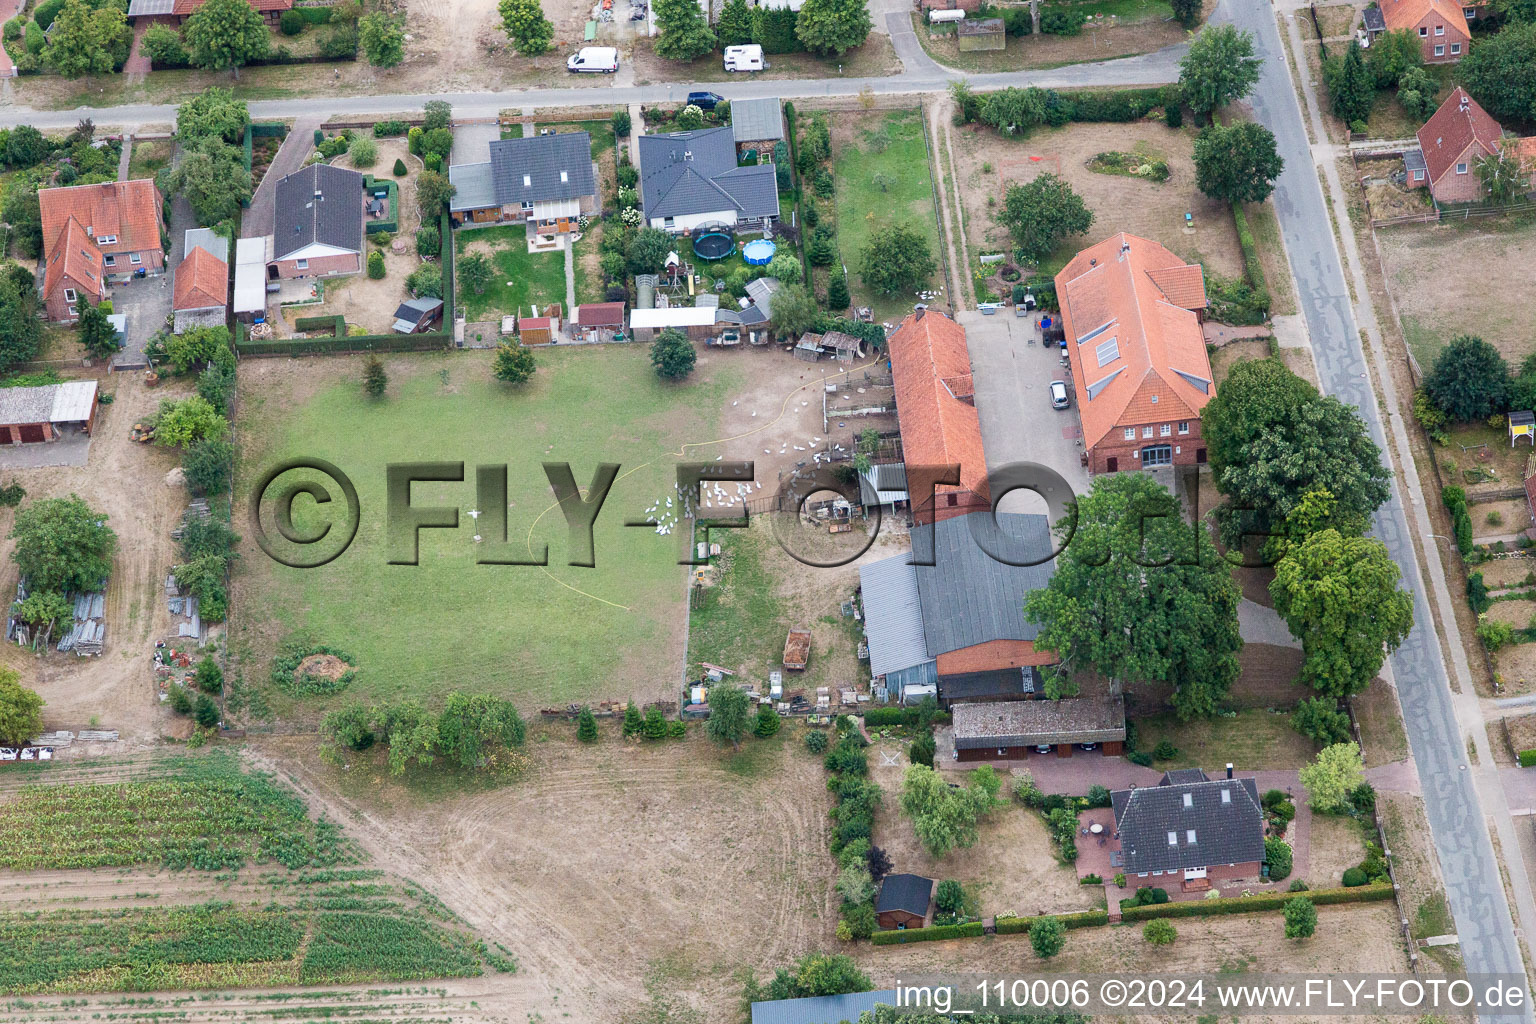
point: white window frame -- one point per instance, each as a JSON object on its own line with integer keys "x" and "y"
{"x": 1165, "y": 430}
{"x": 1130, "y": 433}
{"x": 107, "y": 240}
{"x": 1173, "y": 837}
{"x": 70, "y": 295}
{"x": 1461, "y": 168}
{"x": 1146, "y": 432}
{"x": 1183, "y": 426}
{"x": 1423, "y": 31}
{"x": 134, "y": 257}
{"x": 1418, "y": 174}
{"x": 108, "y": 260}
{"x": 1470, "y": 12}
{"x": 527, "y": 205}
{"x": 73, "y": 311}
{"x": 1189, "y": 836}
{"x": 1439, "y": 30}
{"x": 301, "y": 264}
{"x": 1440, "y": 50}
{"x": 1455, "y": 49}
{"x": 669, "y": 222}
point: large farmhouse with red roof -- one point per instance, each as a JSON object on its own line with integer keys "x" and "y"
{"x": 95, "y": 234}
{"x": 1450, "y": 144}
{"x": 1441, "y": 26}
{"x": 1131, "y": 311}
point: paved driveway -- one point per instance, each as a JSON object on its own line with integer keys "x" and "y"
{"x": 472, "y": 143}
{"x": 1011, "y": 369}
{"x": 299, "y": 143}
{"x": 146, "y": 302}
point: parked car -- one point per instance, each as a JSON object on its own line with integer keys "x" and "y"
{"x": 8, "y": 753}
{"x": 1059, "y": 397}
{"x": 1042, "y": 748}
{"x": 705, "y": 100}
{"x": 1089, "y": 746}
{"x": 29, "y": 753}
{"x": 604, "y": 59}
{"x": 45, "y": 753}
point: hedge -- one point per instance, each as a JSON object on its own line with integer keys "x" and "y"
{"x": 1119, "y": 104}
{"x": 1252, "y": 268}
{"x": 1252, "y": 904}
{"x": 937, "y": 933}
{"x": 1081, "y": 919}
{"x": 439, "y": 339}
{"x": 875, "y": 718}
{"x": 1527, "y": 758}
{"x": 337, "y": 323}
{"x": 314, "y": 15}
{"x": 391, "y": 222}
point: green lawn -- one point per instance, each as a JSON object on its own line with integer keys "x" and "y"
{"x": 521, "y": 278}
{"x": 882, "y": 178}
{"x": 537, "y": 637}
{"x": 1253, "y": 738}
{"x": 148, "y": 157}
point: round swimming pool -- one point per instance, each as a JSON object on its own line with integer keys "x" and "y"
{"x": 758, "y": 253}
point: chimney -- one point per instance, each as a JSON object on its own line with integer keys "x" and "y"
{"x": 918, "y": 311}
{"x": 1229, "y": 769}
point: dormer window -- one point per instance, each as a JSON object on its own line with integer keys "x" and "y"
{"x": 106, "y": 240}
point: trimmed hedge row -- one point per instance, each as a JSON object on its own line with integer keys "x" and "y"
{"x": 875, "y": 718}
{"x": 391, "y": 222}
{"x": 1527, "y": 758}
{"x": 337, "y": 324}
{"x": 1119, "y": 104}
{"x": 1263, "y": 901}
{"x": 975, "y": 929}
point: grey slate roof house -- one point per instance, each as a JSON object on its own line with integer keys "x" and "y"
{"x": 415, "y": 315}
{"x": 951, "y": 615}
{"x": 820, "y": 1009}
{"x": 547, "y": 179}
{"x": 690, "y": 179}
{"x": 903, "y": 901}
{"x": 317, "y": 224}
{"x": 1191, "y": 825}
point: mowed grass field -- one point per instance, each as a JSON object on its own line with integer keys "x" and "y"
{"x": 520, "y": 279}
{"x": 881, "y": 170}
{"x": 536, "y": 636}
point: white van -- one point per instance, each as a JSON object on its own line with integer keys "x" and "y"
{"x": 744, "y": 58}
{"x": 603, "y": 59}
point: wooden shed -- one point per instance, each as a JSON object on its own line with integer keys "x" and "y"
{"x": 904, "y": 901}
{"x": 1522, "y": 426}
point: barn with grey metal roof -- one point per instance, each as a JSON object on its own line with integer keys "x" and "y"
{"x": 971, "y": 597}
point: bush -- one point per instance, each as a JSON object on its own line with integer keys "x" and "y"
{"x": 35, "y": 40}
{"x": 1098, "y": 796}
{"x": 164, "y": 47}
{"x": 940, "y": 932}
{"x": 1354, "y": 878}
{"x": 1527, "y": 758}
{"x": 291, "y": 22}
{"x": 1173, "y": 115}
{"x": 387, "y": 129}
{"x": 621, "y": 124}
{"x": 1165, "y": 751}
{"x": 429, "y": 241}
{"x": 340, "y": 43}
{"x": 1062, "y": 21}
{"x": 375, "y": 264}
{"x": 1277, "y": 853}
{"x": 1046, "y": 937}
{"x": 1140, "y": 757}
{"x": 1477, "y": 593}
{"x": 1159, "y": 933}
{"x": 1299, "y": 885}
{"x": 46, "y": 12}
{"x": 364, "y": 152}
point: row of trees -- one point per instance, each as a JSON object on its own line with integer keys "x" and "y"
{"x": 821, "y": 26}
{"x": 471, "y": 731}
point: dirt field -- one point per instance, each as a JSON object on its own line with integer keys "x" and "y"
{"x": 1119, "y": 203}
{"x": 126, "y": 481}
{"x": 1011, "y": 869}
{"x": 1118, "y": 37}
{"x": 1414, "y": 863}
{"x": 1336, "y": 845}
{"x": 610, "y": 866}
{"x": 1497, "y": 306}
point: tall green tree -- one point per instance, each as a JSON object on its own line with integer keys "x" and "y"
{"x": 375, "y": 380}
{"x": 21, "y": 330}
{"x": 1140, "y": 597}
{"x": 474, "y": 271}
{"x": 684, "y": 31}
{"x": 794, "y": 310}
{"x": 1237, "y": 163}
{"x": 897, "y": 258}
{"x": 433, "y": 190}
{"x": 21, "y": 710}
{"x": 1272, "y": 439}
{"x": 1188, "y": 12}
{"x": 1333, "y": 775}
{"x": 514, "y": 364}
{"x": 1392, "y": 55}
{"x": 96, "y": 332}
{"x": 225, "y": 34}
{"x": 1469, "y": 381}
{"x": 833, "y": 26}
{"x": 382, "y": 37}
{"x": 1340, "y": 598}
{"x": 473, "y": 726}
{"x": 647, "y": 251}
{"x": 673, "y": 356}
{"x": 87, "y": 39}
{"x": 62, "y": 544}
{"x": 1416, "y": 93}
{"x": 526, "y": 26}
{"x": 944, "y": 816}
{"x": 211, "y": 176}
{"x": 1505, "y": 174}
{"x": 1300, "y": 918}
{"x": 730, "y": 714}
{"x": 586, "y": 725}
{"x": 734, "y": 26}
{"x": 214, "y": 111}
{"x": 1500, "y": 71}
{"x": 1220, "y": 67}
{"x": 1041, "y": 213}
{"x": 1351, "y": 85}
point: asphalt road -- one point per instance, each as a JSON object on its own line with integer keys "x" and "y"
{"x": 1456, "y": 816}
{"x": 922, "y": 75}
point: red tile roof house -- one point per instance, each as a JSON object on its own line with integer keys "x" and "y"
{"x": 201, "y": 294}
{"x": 94, "y": 235}
{"x": 1441, "y": 26}
{"x": 178, "y": 11}
{"x": 1451, "y": 142}
{"x": 1131, "y": 313}
{"x": 936, "y": 411}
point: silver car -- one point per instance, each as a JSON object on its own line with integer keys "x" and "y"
{"x": 1059, "y": 396}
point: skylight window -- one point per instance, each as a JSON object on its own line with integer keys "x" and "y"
{"x": 1108, "y": 351}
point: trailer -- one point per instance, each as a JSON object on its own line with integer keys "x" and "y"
{"x": 797, "y": 649}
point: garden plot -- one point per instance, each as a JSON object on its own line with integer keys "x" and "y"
{"x": 1496, "y": 304}
{"x": 1336, "y": 845}
{"x": 1012, "y": 869}
{"x": 520, "y": 279}
{"x": 988, "y": 162}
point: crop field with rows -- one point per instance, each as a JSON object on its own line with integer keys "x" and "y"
{"x": 217, "y": 944}
{"x": 194, "y": 812}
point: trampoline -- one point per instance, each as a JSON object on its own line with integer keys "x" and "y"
{"x": 714, "y": 244}
{"x": 758, "y": 253}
